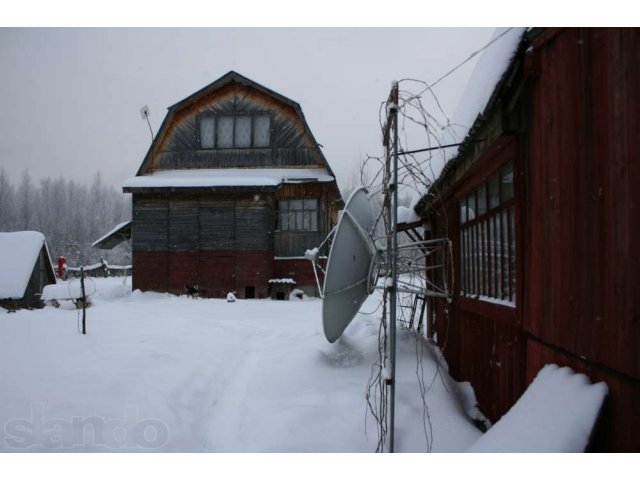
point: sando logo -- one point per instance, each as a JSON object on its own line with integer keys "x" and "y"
{"x": 78, "y": 431}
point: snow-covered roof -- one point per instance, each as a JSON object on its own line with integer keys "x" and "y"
{"x": 18, "y": 254}
{"x": 491, "y": 65}
{"x": 407, "y": 215}
{"x": 67, "y": 291}
{"x": 101, "y": 243}
{"x": 228, "y": 177}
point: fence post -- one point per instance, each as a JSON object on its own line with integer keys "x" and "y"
{"x": 84, "y": 302}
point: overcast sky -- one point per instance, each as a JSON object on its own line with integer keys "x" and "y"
{"x": 70, "y": 98}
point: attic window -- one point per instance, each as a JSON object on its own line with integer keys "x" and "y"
{"x": 234, "y": 131}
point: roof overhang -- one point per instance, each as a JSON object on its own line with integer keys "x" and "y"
{"x": 224, "y": 179}
{"x": 118, "y": 234}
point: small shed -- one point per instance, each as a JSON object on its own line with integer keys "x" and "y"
{"x": 25, "y": 269}
{"x": 280, "y": 288}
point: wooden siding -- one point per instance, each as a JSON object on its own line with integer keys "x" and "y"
{"x": 221, "y": 242}
{"x": 618, "y": 427}
{"x": 291, "y": 145}
{"x": 583, "y": 267}
{"x": 187, "y": 223}
{"x": 482, "y": 341}
{"x": 236, "y": 158}
{"x": 578, "y": 234}
{"x": 217, "y": 272}
{"x": 294, "y": 244}
{"x": 217, "y": 220}
{"x": 183, "y": 224}
{"x": 150, "y": 223}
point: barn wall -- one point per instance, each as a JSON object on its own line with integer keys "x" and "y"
{"x": 583, "y": 267}
{"x": 482, "y": 341}
{"x": 578, "y": 296}
{"x": 222, "y": 243}
{"x": 217, "y": 272}
{"x": 618, "y": 427}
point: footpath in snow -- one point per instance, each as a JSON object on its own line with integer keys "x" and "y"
{"x": 163, "y": 373}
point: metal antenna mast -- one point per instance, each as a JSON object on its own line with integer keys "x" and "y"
{"x": 144, "y": 113}
{"x": 391, "y": 202}
{"x": 357, "y": 261}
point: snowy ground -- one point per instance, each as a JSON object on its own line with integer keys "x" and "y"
{"x": 163, "y": 373}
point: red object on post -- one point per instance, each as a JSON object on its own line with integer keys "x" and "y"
{"x": 61, "y": 264}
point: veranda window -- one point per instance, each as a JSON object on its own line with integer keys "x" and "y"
{"x": 298, "y": 215}
{"x": 487, "y": 239}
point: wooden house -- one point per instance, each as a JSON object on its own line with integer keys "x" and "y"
{"x": 543, "y": 208}
{"x": 25, "y": 269}
{"x": 232, "y": 192}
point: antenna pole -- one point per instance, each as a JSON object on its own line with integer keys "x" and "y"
{"x": 394, "y": 267}
{"x": 150, "y": 129}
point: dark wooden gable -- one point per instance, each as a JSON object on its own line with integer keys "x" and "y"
{"x": 177, "y": 144}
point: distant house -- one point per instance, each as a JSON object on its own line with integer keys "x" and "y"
{"x": 543, "y": 208}
{"x": 232, "y": 191}
{"x": 25, "y": 268}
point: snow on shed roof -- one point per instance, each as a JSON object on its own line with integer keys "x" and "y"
{"x": 486, "y": 75}
{"x": 18, "y": 254}
{"x": 120, "y": 232}
{"x": 228, "y": 177}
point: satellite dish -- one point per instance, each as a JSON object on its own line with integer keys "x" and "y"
{"x": 354, "y": 262}
{"x": 351, "y": 274}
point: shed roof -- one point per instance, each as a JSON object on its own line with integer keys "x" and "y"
{"x": 478, "y": 98}
{"x": 115, "y": 237}
{"x": 483, "y": 82}
{"x": 19, "y": 252}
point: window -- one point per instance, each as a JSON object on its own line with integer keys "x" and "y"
{"x": 207, "y": 132}
{"x": 487, "y": 239}
{"x": 298, "y": 215}
{"x": 235, "y": 131}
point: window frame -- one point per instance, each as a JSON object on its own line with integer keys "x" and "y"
{"x": 216, "y": 133}
{"x": 302, "y": 210}
{"x": 487, "y": 241}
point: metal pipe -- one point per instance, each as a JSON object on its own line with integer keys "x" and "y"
{"x": 394, "y": 270}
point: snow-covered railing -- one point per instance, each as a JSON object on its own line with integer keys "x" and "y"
{"x": 70, "y": 291}
{"x": 100, "y": 270}
{"x": 556, "y": 413}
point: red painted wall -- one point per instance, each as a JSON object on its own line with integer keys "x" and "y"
{"x": 217, "y": 272}
{"x": 578, "y": 221}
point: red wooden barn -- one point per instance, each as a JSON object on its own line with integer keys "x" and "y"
{"x": 543, "y": 207}
{"x": 232, "y": 192}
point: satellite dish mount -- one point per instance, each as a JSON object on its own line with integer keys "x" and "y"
{"x": 357, "y": 262}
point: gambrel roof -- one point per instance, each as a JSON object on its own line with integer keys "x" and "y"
{"x": 191, "y": 102}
